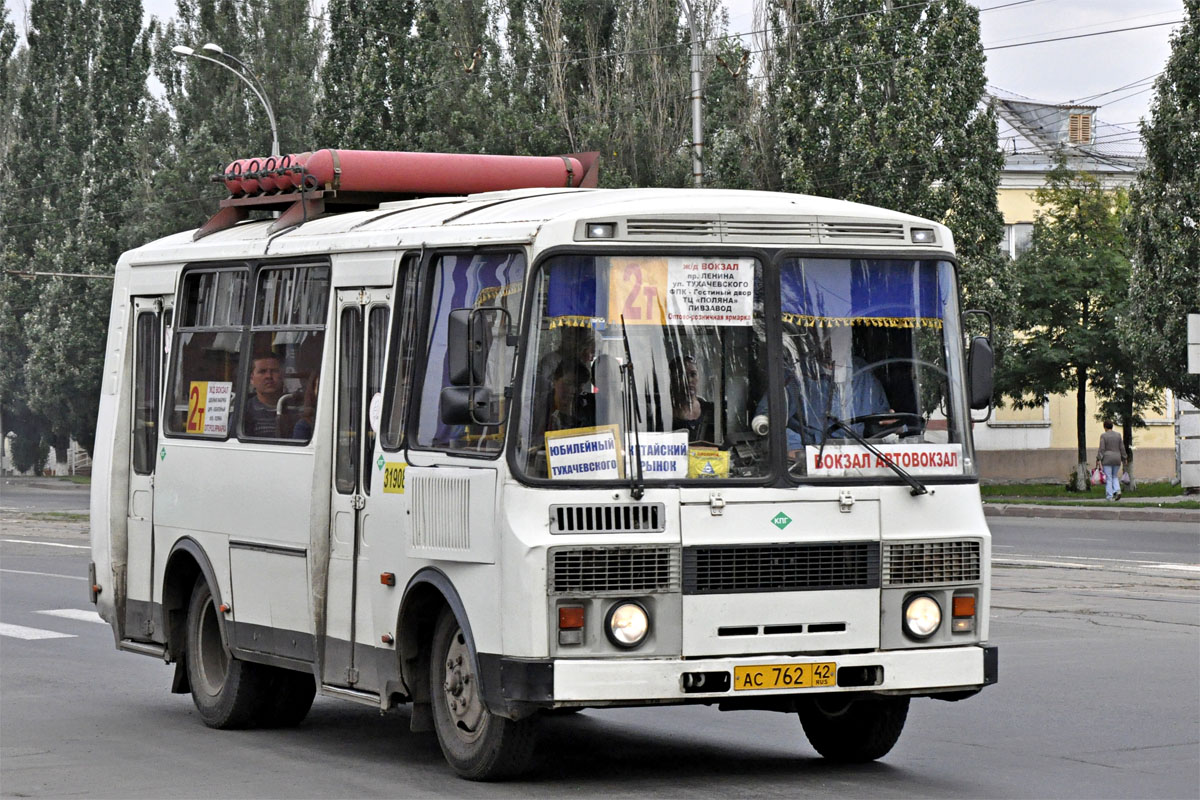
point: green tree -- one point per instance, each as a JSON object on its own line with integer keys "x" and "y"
{"x": 1073, "y": 282}
{"x": 880, "y": 102}
{"x": 213, "y": 116}
{"x": 1165, "y": 220}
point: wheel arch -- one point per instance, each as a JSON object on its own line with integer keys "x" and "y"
{"x": 186, "y": 561}
{"x": 427, "y": 592}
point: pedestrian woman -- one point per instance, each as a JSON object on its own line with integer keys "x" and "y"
{"x": 1111, "y": 458}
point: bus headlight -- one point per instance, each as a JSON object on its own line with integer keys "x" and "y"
{"x": 627, "y": 624}
{"x": 922, "y": 616}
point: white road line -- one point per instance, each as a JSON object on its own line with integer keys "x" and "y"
{"x": 45, "y": 574}
{"x": 1085, "y": 539}
{"x": 21, "y": 632}
{"x": 1095, "y": 563}
{"x": 81, "y": 614}
{"x": 48, "y": 544}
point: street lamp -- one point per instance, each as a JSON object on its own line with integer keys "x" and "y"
{"x": 245, "y": 74}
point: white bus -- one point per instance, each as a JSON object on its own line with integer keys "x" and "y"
{"x": 519, "y": 452}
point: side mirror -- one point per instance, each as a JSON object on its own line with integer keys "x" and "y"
{"x": 467, "y": 405}
{"x": 467, "y": 346}
{"x": 980, "y": 373}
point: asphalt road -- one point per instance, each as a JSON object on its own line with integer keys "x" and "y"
{"x": 43, "y": 494}
{"x": 1099, "y": 696}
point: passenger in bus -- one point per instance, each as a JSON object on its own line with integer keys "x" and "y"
{"x": 690, "y": 411}
{"x": 260, "y": 415}
{"x": 573, "y": 406}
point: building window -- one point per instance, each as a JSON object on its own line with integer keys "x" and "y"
{"x": 1080, "y": 129}
{"x": 1017, "y": 239}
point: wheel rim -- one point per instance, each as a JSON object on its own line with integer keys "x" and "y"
{"x": 460, "y": 689}
{"x": 213, "y": 660}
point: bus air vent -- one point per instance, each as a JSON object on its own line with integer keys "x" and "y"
{"x": 609, "y": 518}
{"x": 867, "y": 231}
{"x": 664, "y": 228}
{"x": 920, "y": 563}
{"x": 614, "y": 570}
{"x": 781, "y": 568}
{"x": 737, "y": 229}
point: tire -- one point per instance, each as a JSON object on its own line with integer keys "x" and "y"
{"x": 228, "y": 692}
{"x": 289, "y": 696}
{"x": 478, "y": 745}
{"x": 854, "y": 730}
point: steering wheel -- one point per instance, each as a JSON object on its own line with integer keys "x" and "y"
{"x": 889, "y": 421}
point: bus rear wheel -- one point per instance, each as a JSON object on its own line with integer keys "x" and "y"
{"x": 227, "y": 691}
{"x": 478, "y": 744}
{"x": 853, "y": 730}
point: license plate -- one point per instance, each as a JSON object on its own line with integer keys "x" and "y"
{"x": 784, "y": 676}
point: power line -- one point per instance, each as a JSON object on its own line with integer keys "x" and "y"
{"x": 1083, "y": 35}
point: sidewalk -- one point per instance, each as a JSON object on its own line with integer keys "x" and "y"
{"x": 1098, "y": 509}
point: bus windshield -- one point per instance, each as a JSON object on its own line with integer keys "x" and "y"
{"x": 868, "y": 349}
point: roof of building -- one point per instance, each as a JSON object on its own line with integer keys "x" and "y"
{"x": 1032, "y": 133}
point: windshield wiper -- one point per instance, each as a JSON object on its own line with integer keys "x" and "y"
{"x": 633, "y": 417}
{"x": 837, "y": 424}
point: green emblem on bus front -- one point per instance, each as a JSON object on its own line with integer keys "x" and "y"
{"x": 781, "y": 520}
{"x": 380, "y": 462}
{"x": 162, "y": 454}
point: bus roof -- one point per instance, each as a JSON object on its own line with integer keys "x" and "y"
{"x": 553, "y": 217}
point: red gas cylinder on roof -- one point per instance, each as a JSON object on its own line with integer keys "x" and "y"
{"x": 439, "y": 173}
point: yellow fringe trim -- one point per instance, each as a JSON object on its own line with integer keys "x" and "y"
{"x": 571, "y": 321}
{"x": 490, "y": 293}
{"x": 810, "y": 321}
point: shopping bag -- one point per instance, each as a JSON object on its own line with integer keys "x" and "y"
{"x": 1124, "y": 478}
{"x": 1097, "y": 476}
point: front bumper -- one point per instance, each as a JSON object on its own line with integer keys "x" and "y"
{"x": 511, "y": 683}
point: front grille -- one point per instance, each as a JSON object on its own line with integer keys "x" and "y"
{"x": 608, "y": 570}
{"x": 781, "y": 568}
{"x": 608, "y": 518}
{"x": 917, "y": 563}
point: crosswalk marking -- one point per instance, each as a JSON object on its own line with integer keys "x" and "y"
{"x": 81, "y": 614}
{"x": 21, "y": 632}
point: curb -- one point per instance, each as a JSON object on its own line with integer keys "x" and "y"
{"x": 1091, "y": 512}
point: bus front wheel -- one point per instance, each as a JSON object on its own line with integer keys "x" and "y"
{"x": 853, "y": 730}
{"x": 227, "y": 691}
{"x": 478, "y": 744}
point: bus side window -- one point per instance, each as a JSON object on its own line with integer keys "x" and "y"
{"x": 287, "y": 336}
{"x": 478, "y": 280}
{"x": 401, "y": 354}
{"x": 206, "y": 352}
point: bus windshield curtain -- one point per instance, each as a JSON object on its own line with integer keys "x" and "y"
{"x": 479, "y": 281}
{"x": 571, "y": 299}
{"x": 885, "y": 294}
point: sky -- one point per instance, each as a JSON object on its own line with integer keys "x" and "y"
{"x": 1095, "y": 67}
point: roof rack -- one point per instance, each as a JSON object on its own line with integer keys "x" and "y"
{"x": 303, "y": 186}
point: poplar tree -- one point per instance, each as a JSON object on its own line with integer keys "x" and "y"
{"x": 882, "y": 103}
{"x": 1165, "y": 220}
{"x": 214, "y": 117}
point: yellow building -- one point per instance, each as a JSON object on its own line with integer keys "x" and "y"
{"x": 1038, "y": 444}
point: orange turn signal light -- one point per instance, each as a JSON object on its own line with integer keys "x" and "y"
{"x": 387, "y": 578}
{"x": 964, "y": 606}
{"x": 570, "y": 618}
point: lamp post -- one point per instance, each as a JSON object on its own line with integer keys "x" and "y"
{"x": 244, "y": 74}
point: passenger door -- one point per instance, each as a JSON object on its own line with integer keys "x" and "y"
{"x": 151, "y": 318}
{"x": 362, "y": 324}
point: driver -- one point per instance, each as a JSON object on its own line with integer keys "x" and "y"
{"x": 820, "y": 386}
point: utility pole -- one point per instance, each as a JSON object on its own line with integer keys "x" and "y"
{"x": 697, "y": 99}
